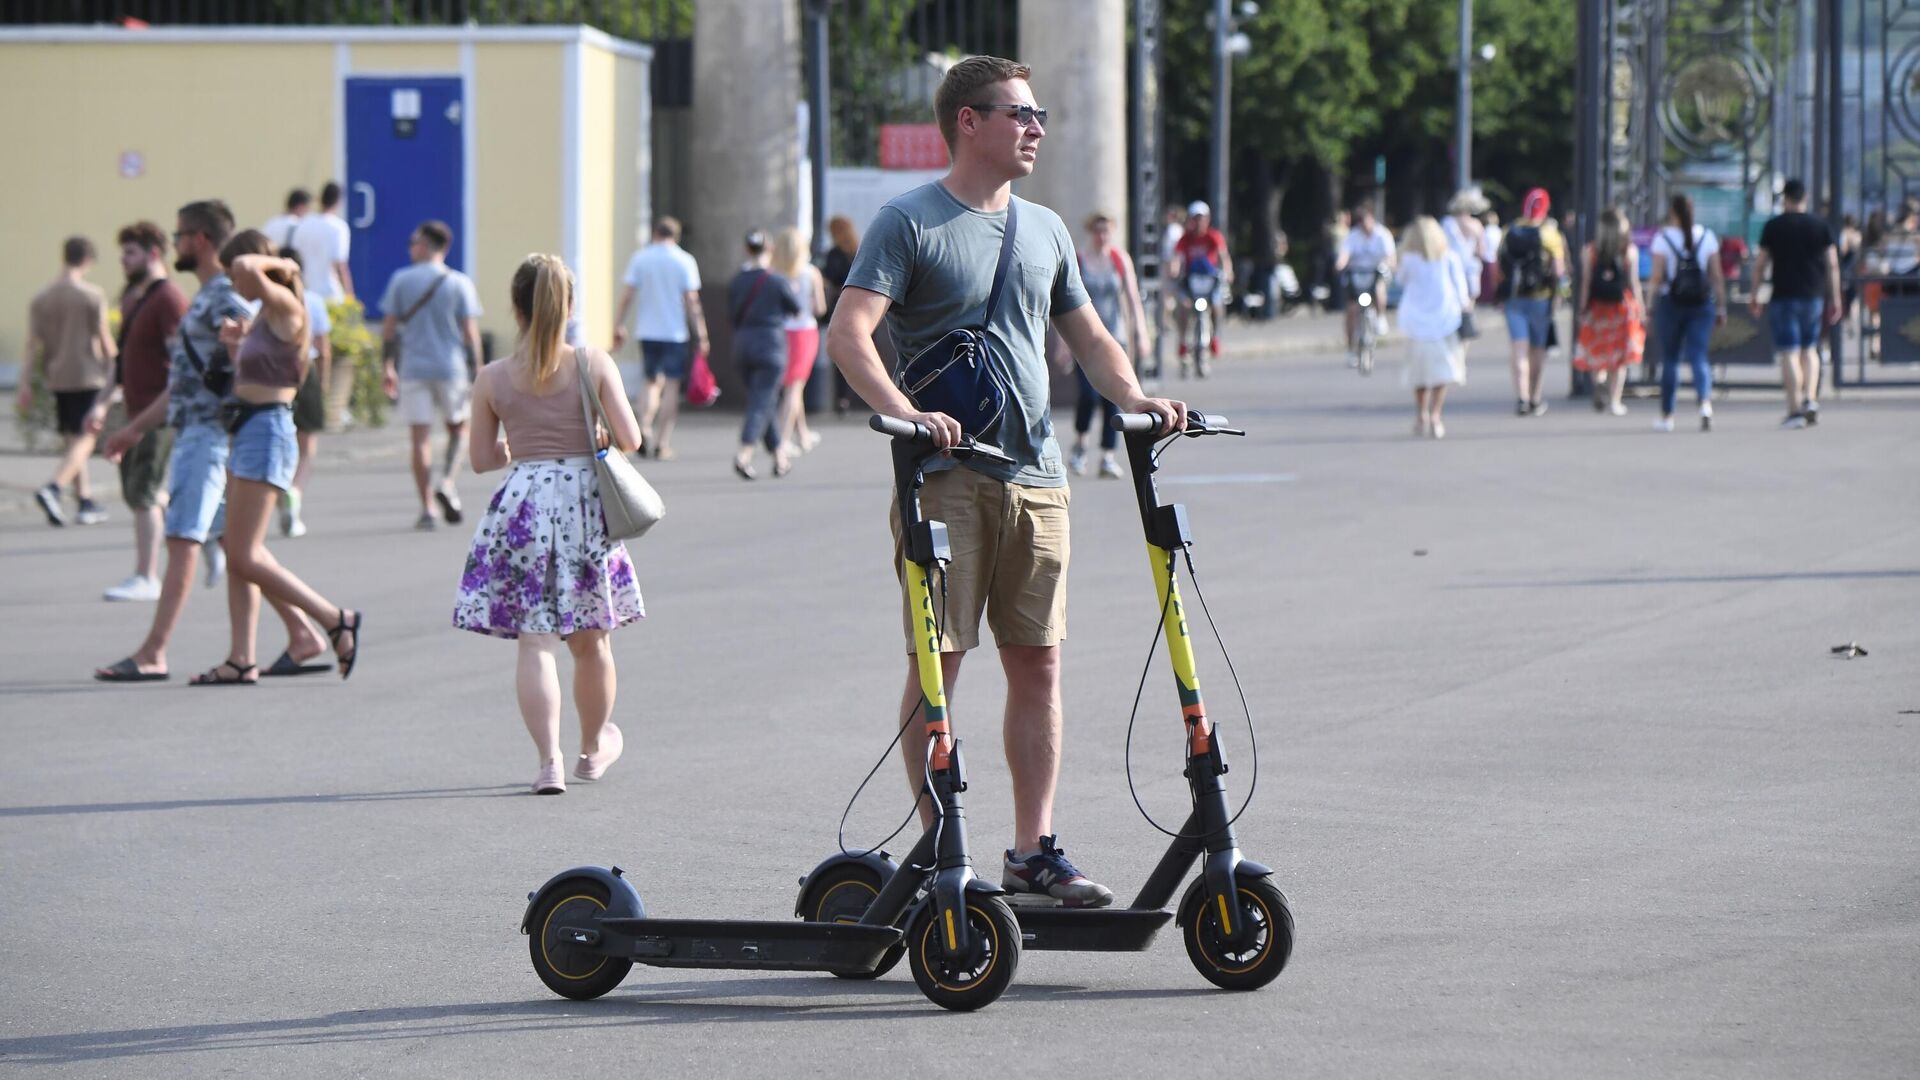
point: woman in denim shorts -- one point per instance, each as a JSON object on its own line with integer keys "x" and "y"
{"x": 270, "y": 360}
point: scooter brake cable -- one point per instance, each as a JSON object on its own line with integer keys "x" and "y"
{"x": 841, "y": 835}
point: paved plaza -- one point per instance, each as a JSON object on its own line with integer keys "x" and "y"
{"x": 1556, "y": 765}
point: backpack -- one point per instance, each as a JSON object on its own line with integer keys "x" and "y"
{"x": 1689, "y": 287}
{"x": 1525, "y": 265}
{"x": 1609, "y": 284}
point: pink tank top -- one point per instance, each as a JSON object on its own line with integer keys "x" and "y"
{"x": 265, "y": 360}
{"x": 546, "y": 425}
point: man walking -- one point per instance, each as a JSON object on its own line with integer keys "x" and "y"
{"x": 1806, "y": 298}
{"x": 196, "y": 488}
{"x": 150, "y": 312}
{"x": 926, "y": 267}
{"x": 279, "y": 228}
{"x": 324, "y": 241}
{"x": 68, "y": 342}
{"x": 1532, "y": 260}
{"x": 430, "y": 329}
{"x": 670, "y": 326}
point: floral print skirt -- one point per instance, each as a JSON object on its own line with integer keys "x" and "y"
{"x": 541, "y": 562}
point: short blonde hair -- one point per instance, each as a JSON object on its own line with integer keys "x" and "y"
{"x": 789, "y": 253}
{"x": 1425, "y": 239}
{"x": 962, "y": 87}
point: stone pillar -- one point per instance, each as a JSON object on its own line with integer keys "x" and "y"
{"x": 744, "y": 153}
{"x": 1078, "y": 52}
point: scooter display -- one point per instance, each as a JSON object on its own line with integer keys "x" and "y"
{"x": 1236, "y": 922}
{"x": 587, "y": 927}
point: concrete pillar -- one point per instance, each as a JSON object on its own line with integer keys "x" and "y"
{"x": 1078, "y": 52}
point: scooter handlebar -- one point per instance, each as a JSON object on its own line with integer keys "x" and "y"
{"x": 1198, "y": 423}
{"x": 894, "y": 427}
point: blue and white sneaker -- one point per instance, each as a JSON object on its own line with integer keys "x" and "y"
{"x": 1049, "y": 874}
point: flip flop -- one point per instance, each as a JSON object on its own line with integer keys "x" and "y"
{"x": 128, "y": 671}
{"x": 287, "y": 665}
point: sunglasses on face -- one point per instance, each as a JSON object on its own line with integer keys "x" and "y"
{"x": 1024, "y": 115}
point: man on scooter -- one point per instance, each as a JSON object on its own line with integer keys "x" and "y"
{"x": 1201, "y": 250}
{"x": 926, "y": 267}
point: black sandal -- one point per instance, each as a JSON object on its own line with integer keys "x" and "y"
{"x": 346, "y": 627}
{"x": 213, "y": 677}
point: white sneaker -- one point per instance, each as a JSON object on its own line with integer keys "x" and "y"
{"x": 290, "y": 514}
{"x": 1617, "y": 409}
{"x": 135, "y": 588}
{"x": 1665, "y": 423}
{"x": 216, "y": 558}
{"x": 1077, "y": 461}
{"x": 1110, "y": 467}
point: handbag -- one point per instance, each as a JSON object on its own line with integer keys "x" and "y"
{"x": 959, "y": 375}
{"x": 702, "y": 389}
{"x": 630, "y": 503}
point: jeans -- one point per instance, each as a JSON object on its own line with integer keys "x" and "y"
{"x": 1684, "y": 332}
{"x": 1083, "y": 410}
{"x": 762, "y": 376}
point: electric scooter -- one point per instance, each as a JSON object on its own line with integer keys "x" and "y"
{"x": 1236, "y": 922}
{"x": 586, "y": 926}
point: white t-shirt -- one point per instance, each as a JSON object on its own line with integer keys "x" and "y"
{"x": 1432, "y": 296}
{"x": 322, "y": 240}
{"x": 279, "y": 229}
{"x": 1669, "y": 243}
{"x": 1366, "y": 252}
{"x": 662, "y": 274}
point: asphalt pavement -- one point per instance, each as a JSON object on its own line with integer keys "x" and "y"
{"x": 1555, "y": 764}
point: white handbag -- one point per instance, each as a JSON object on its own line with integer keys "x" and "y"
{"x": 631, "y": 505}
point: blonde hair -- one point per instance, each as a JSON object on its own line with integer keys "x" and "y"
{"x": 1425, "y": 239}
{"x": 789, "y": 254}
{"x": 542, "y": 293}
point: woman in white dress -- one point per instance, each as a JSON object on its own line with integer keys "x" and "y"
{"x": 1434, "y": 294}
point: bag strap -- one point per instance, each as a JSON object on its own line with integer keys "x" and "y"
{"x": 424, "y": 297}
{"x": 740, "y": 316}
{"x": 1006, "y": 261}
{"x": 590, "y": 406}
{"x": 127, "y": 317}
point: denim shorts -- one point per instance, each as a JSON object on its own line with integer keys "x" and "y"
{"x": 1796, "y": 322}
{"x": 668, "y": 358}
{"x": 1528, "y": 318}
{"x": 265, "y": 448}
{"x": 197, "y": 484}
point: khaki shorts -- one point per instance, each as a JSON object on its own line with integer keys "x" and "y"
{"x": 422, "y": 401}
{"x": 143, "y": 470}
{"x": 1009, "y": 560}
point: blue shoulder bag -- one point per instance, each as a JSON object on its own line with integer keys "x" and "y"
{"x": 959, "y": 375}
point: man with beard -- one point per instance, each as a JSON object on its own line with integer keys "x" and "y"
{"x": 200, "y": 372}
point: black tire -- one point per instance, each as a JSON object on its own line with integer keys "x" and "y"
{"x": 570, "y": 970}
{"x": 965, "y": 987}
{"x": 1250, "y": 968}
{"x": 842, "y": 895}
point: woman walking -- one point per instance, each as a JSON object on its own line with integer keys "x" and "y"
{"x": 835, "y": 268}
{"x": 1434, "y": 294}
{"x": 1613, "y": 332}
{"x": 1692, "y": 300}
{"x": 541, "y": 569}
{"x": 269, "y": 362}
{"x": 760, "y": 301}
{"x": 803, "y": 336}
{"x": 1115, "y": 291}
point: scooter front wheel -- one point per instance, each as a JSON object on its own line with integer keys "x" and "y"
{"x": 569, "y": 969}
{"x": 843, "y": 894}
{"x": 975, "y": 980}
{"x": 1258, "y": 956}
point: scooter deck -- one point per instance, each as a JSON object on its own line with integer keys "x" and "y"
{"x": 750, "y": 945}
{"x": 1069, "y": 929}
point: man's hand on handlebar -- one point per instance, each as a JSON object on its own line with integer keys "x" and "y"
{"x": 945, "y": 429}
{"x": 1172, "y": 414}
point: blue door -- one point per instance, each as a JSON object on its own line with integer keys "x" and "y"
{"x": 404, "y": 166}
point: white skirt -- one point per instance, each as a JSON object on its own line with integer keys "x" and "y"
{"x": 1435, "y": 362}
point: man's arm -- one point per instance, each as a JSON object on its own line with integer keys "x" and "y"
{"x": 1761, "y": 260}
{"x": 1107, "y": 368}
{"x": 1833, "y": 285}
{"x": 390, "y": 354}
{"x": 696, "y": 320}
{"x": 620, "y": 318}
{"x": 850, "y": 347}
{"x": 471, "y": 332}
{"x": 148, "y": 419}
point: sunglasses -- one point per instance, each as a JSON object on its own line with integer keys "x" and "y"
{"x": 1024, "y": 115}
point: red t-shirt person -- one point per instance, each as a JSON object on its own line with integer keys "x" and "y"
{"x": 1203, "y": 245}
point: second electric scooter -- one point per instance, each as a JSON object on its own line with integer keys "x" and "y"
{"x": 586, "y": 926}
{"x": 1235, "y": 920}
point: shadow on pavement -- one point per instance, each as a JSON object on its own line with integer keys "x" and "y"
{"x": 1701, "y": 579}
{"x": 489, "y": 792}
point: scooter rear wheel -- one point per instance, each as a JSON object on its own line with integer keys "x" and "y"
{"x": 965, "y": 984}
{"x": 1247, "y": 965}
{"x": 568, "y": 969}
{"x": 843, "y": 895}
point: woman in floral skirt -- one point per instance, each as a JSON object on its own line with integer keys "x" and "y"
{"x": 1613, "y": 330}
{"x": 541, "y": 569}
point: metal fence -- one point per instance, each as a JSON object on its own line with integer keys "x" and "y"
{"x": 886, "y": 57}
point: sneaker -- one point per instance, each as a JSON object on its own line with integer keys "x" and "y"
{"x": 1706, "y": 416}
{"x": 1599, "y": 405}
{"x": 289, "y": 512}
{"x": 89, "y": 513}
{"x": 1538, "y": 408}
{"x": 1521, "y": 407}
{"x": 298, "y": 529}
{"x": 1617, "y": 409}
{"x": 594, "y": 766}
{"x": 549, "y": 781}
{"x": 216, "y": 559}
{"x": 1077, "y": 461}
{"x": 425, "y": 523}
{"x": 1110, "y": 467}
{"x": 49, "y": 499}
{"x": 1665, "y": 423}
{"x": 1793, "y": 422}
{"x": 135, "y": 588}
{"x": 1812, "y": 413}
{"x": 1439, "y": 430}
{"x": 449, "y": 501}
{"x": 1048, "y": 873}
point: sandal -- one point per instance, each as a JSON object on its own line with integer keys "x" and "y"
{"x": 287, "y": 665}
{"x": 213, "y": 677}
{"x": 128, "y": 670}
{"x": 347, "y": 626}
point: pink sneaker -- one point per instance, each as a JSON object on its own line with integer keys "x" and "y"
{"x": 593, "y": 766}
{"x": 550, "y": 782}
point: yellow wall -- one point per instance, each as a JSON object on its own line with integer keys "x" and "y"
{"x": 400, "y": 58}
{"x": 517, "y": 103}
{"x": 612, "y": 211}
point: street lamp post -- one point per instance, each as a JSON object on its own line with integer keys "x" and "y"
{"x": 1222, "y": 73}
{"x": 1463, "y": 104}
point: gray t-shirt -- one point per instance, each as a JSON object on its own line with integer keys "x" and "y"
{"x": 934, "y": 257}
{"x": 189, "y": 401}
{"x": 433, "y": 343}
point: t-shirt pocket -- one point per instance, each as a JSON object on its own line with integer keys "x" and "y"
{"x": 1035, "y": 288}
